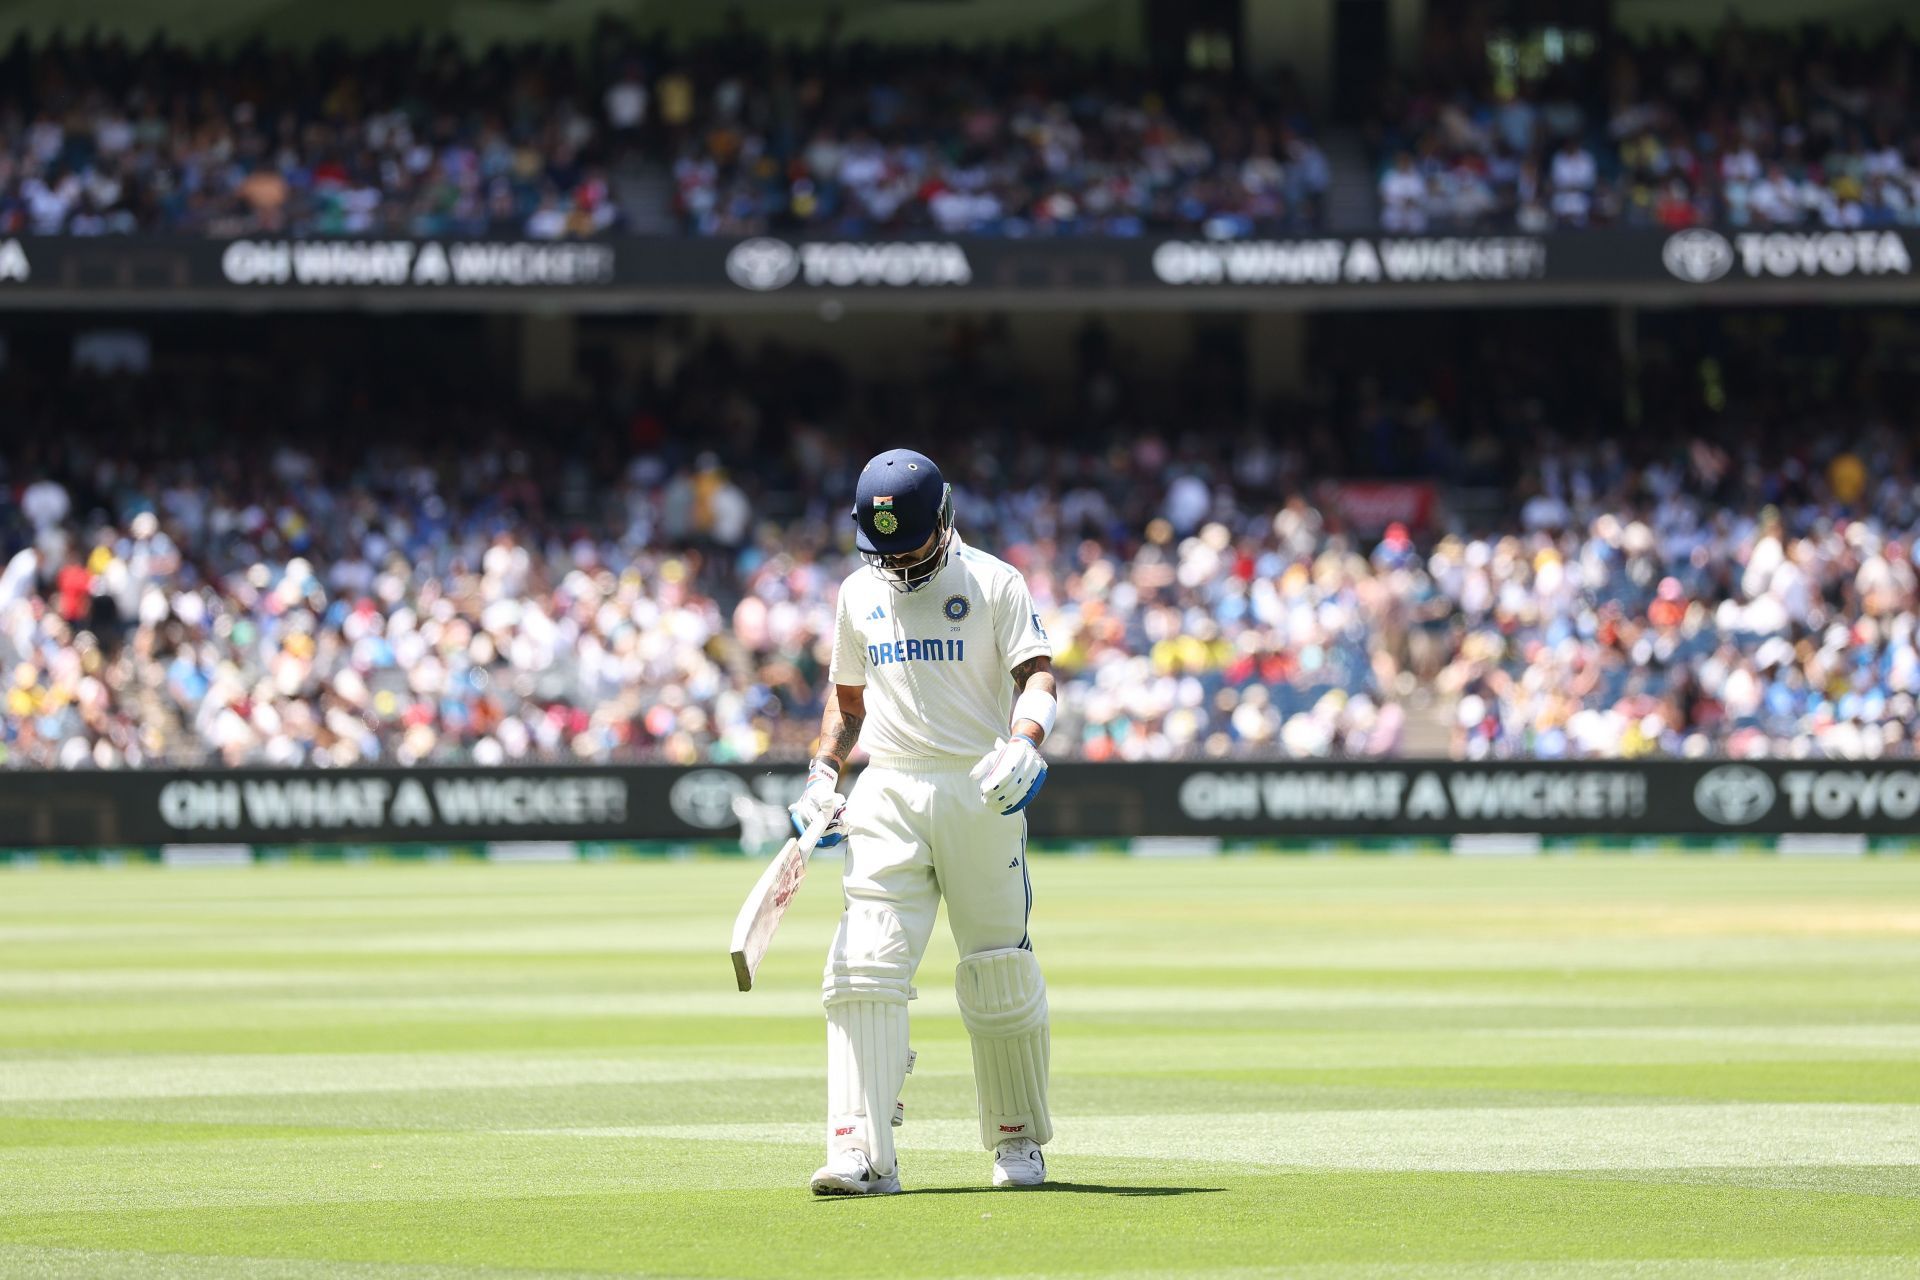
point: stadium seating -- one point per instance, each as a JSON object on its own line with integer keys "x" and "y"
{"x": 1750, "y": 128}
{"x": 739, "y": 136}
{"x": 348, "y": 561}
{"x": 729, "y": 137}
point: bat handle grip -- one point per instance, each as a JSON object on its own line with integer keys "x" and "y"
{"x": 810, "y": 838}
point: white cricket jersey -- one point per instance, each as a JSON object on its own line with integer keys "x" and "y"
{"x": 937, "y": 662}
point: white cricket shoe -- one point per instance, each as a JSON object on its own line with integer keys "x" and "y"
{"x": 850, "y": 1173}
{"x": 1017, "y": 1162}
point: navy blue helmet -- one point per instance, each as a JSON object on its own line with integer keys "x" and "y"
{"x": 903, "y": 517}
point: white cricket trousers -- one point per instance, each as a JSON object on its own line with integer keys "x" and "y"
{"x": 918, "y": 831}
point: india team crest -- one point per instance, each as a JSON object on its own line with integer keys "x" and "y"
{"x": 956, "y": 608}
{"x": 884, "y": 521}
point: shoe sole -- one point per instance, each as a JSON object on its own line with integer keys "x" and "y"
{"x": 836, "y": 1187}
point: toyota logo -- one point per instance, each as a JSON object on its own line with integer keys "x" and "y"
{"x": 704, "y": 798}
{"x": 1697, "y": 256}
{"x": 762, "y": 264}
{"x": 1733, "y": 795}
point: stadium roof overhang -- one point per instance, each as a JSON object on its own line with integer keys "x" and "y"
{"x": 478, "y": 23}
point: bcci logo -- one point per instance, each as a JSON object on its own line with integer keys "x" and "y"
{"x": 884, "y": 521}
{"x": 956, "y": 608}
{"x": 1733, "y": 795}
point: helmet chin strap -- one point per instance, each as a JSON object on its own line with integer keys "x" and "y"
{"x": 912, "y": 577}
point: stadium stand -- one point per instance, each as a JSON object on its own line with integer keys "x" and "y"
{"x": 996, "y": 142}
{"x": 290, "y": 552}
{"x": 418, "y": 138}
{"x": 737, "y": 136}
{"x": 1748, "y": 128}
{"x": 359, "y": 561}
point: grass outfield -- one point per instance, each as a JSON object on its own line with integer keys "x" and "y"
{"x": 1332, "y": 1068}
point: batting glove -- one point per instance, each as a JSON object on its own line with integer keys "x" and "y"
{"x": 820, "y": 797}
{"x": 1010, "y": 775}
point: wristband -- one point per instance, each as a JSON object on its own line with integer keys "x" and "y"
{"x": 822, "y": 770}
{"x": 1038, "y": 707}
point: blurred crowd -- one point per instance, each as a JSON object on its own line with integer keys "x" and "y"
{"x": 731, "y": 136}
{"x": 338, "y": 565}
{"x": 1785, "y": 622}
{"x": 98, "y": 136}
{"x": 735, "y": 135}
{"x": 1746, "y": 128}
{"x": 992, "y": 142}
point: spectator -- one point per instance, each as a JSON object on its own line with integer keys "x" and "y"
{"x": 1403, "y": 197}
{"x": 1572, "y": 181}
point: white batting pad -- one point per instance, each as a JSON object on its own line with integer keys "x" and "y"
{"x": 866, "y": 1066}
{"x": 1003, "y": 1001}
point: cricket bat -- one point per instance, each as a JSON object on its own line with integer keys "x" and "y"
{"x": 760, "y": 914}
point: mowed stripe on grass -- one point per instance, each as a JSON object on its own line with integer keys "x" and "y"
{"x": 1424, "y": 1068}
{"x": 1460, "y": 1138}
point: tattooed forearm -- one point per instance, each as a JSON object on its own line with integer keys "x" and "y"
{"x": 838, "y": 732}
{"x": 840, "y": 725}
{"x": 1029, "y": 669}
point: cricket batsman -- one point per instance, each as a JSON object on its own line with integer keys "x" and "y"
{"x": 934, "y": 640}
